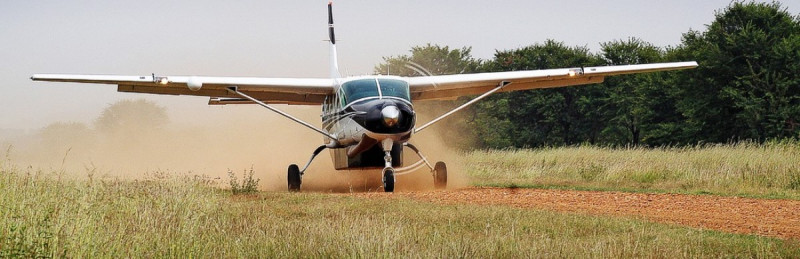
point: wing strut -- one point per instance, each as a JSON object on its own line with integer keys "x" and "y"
{"x": 295, "y": 119}
{"x": 499, "y": 86}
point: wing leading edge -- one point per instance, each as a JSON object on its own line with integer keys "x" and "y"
{"x": 453, "y": 86}
{"x": 308, "y": 91}
{"x": 313, "y": 91}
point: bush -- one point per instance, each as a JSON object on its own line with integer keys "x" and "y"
{"x": 248, "y": 184}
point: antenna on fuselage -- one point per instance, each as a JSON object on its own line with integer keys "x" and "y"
{"x": 334, "y": 60}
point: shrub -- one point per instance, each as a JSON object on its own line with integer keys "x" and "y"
{"x": 248, "y": 184}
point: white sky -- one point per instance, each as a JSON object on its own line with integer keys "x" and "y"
{"x": 282, "y": 39}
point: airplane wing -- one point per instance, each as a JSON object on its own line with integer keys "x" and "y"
{"x": 305, "y": 91}
{"x": 453, "y": 86}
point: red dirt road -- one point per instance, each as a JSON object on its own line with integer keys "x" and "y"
{"x": 775, "y": 218}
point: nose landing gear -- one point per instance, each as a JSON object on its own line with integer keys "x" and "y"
{"x": 388, "y": 179}
{"x": 388, "y": 171}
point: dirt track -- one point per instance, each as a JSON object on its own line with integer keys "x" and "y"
{"x": 776, "y": 218}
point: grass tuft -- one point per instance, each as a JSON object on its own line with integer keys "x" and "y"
{"x": 247, "y": 186}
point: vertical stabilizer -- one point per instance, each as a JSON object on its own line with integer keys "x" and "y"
{"x": 334, "y": 59}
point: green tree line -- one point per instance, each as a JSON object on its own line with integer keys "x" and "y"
{"x": 747, "y": 87}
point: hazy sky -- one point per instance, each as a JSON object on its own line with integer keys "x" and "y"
{"x": 281, "y": 39}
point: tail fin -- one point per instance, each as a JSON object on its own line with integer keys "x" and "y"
{"x": 334, "y": 59}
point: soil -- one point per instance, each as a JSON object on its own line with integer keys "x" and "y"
{"x": 766, "y": 217}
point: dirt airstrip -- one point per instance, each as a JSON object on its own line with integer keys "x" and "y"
{"x": 775, "y": 218}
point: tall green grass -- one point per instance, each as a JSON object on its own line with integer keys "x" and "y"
{"x": 184, "y": 216}
{"x": 745, "y": 169}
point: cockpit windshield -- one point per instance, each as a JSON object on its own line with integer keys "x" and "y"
{"x": 359, "y": 89}
{"x": 365, "y": 88}
{"x": 394, "y": 88}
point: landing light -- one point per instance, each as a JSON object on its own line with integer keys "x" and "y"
{"x": 163, "y": 81}
{"x": 571, "y": 73}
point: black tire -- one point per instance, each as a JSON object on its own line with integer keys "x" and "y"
{"x": 388, "y": 180}
{"x": 440, "y": 175}
{"x": 293, "y": 178}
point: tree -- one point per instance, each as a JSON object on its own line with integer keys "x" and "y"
{"x": 747, "y": 85}
{"x": 64, "y": 132}
{"x": 60, "y": 138}
{"x": 132, "y": 116}
{"x": 633, "y": 103}
{"x": 430, "y": 60}
{"x": 559, "y": 116}
{"x": 132, "y": 131}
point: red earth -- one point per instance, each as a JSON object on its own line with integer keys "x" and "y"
{"x": 766, "y": 217}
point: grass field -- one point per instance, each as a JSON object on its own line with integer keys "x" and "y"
{"x": 43, "y": 214}
{"x": 766, "y": 171}
{"x": 183, "y": 216}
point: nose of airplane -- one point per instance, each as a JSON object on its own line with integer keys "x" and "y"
{"x": 391, "y": 115}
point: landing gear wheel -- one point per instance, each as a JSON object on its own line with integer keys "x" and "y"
{"x": 294, "y": 178}
{"x": 388, "y": 180}
{"x": 440, "y": 175}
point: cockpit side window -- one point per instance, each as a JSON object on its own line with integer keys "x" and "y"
{"x": 358, "y": 89}
{"x": 342, "y": 101}
{"x": 394, "y": 88}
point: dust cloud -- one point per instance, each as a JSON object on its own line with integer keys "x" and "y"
{"x": 211, "y": 141}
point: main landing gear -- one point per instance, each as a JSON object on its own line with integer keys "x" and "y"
{"x": 439, "y": 171}
{"x": 440, "y": 175}
{"x": 294, "y": 176}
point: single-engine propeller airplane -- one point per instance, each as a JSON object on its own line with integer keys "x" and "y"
{"x": 367, "y": 121}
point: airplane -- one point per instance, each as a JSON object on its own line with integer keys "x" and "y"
{"x": 367, "y": 121}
